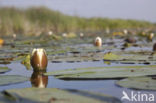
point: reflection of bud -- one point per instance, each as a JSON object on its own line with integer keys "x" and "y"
{"x": 39, "y": 80}
{"x": 154, "y": 47}
{"x": 39, "y": 60}
{"x": 98, "y": 41}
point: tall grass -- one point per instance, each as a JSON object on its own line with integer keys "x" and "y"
{"x": 34, "y": 21}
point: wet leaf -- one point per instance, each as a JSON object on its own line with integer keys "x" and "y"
{"x": 145, "y": 83}
{"x": 4, "y": 69}
{"x": 113, "y": 72}
{"x": 132, "y": 57}
{"x": 78, "y": 57}
{"x": 53, "y": 95}
{"x": 11, "y": 79}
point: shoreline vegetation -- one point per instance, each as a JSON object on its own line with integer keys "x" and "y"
{"x": 36, "y": 21}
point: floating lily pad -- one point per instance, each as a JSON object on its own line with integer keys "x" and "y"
{"x": 146, "y": 83}
{"x": 11, "y": 79}
{"x": 4, "y": 69}
{"x": 113, "y": 72}
{"x": 5, "y": 58}
{"x": 78, "y": 57}
{"x": 133, "y": 57}
{"x": 124, "y": 56}
{"x": 53, "y": 95}
{"x": 90, "y": 48}
{"x": 111, "y": 56}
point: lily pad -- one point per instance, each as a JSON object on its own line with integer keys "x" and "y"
{"x": 4, "y": 69}
{"x": 130, "y": 56}
{"x": 126, "y": 56}
{"x": 54, "y": 95}
{"x": 113, "y": 72}
{"x": 145, "y": 83}
{"x": 12, "y": 79}
{"x": 78, "y": 57}
{"x": 111, "y": 56}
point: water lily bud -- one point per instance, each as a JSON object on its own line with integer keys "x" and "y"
{"x": 150, "y": 37}
{"x": 125, "y": 31}
{"x": 14, "y": 36}
{"x": 39, "y": 80}
{"x": 81, "y": 35}
{"x": 50, "y": 33}
{"x": 98, "y": 41}
{"x": 64, "y": 34}
{"x": 107, "y": 30}
{"x": 154, "y": 47}
{"x": 39, "y": 59}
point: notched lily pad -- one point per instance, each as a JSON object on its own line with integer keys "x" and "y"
{"x": 12, "y": 79}
{"x": 145, "y": 83}
{"x": 54, "y": 95}
{"x": 114, "y": 72}
{"x": 4, "y": 69}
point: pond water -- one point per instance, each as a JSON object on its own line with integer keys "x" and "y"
{"x": 100, "y": 86}
{"x": 73, "y": 49}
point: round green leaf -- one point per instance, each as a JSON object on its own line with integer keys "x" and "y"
{"x": 54, "y": 95}
{"x": 4, "y": 69}
{"x": 113, "y": 72}
{"x": 146, "y": 83}
{"x": 11, "y": 79}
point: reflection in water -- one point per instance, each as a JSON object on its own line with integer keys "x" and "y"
{"x": 39, "y": 80}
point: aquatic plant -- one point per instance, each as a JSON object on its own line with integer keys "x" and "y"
{"x": 36, "y": 21}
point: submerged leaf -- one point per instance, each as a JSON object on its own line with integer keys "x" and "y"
{"x": 146, "y": 83}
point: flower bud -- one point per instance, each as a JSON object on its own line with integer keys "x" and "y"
{"x": 39, "y": 59}
{"x": 150, "y": 36}
{"x": 98, "y": 41}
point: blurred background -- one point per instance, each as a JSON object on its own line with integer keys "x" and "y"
{"x": 34, "y": 17}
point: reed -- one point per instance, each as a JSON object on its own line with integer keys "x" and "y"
{"x": 34, "y": 21}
